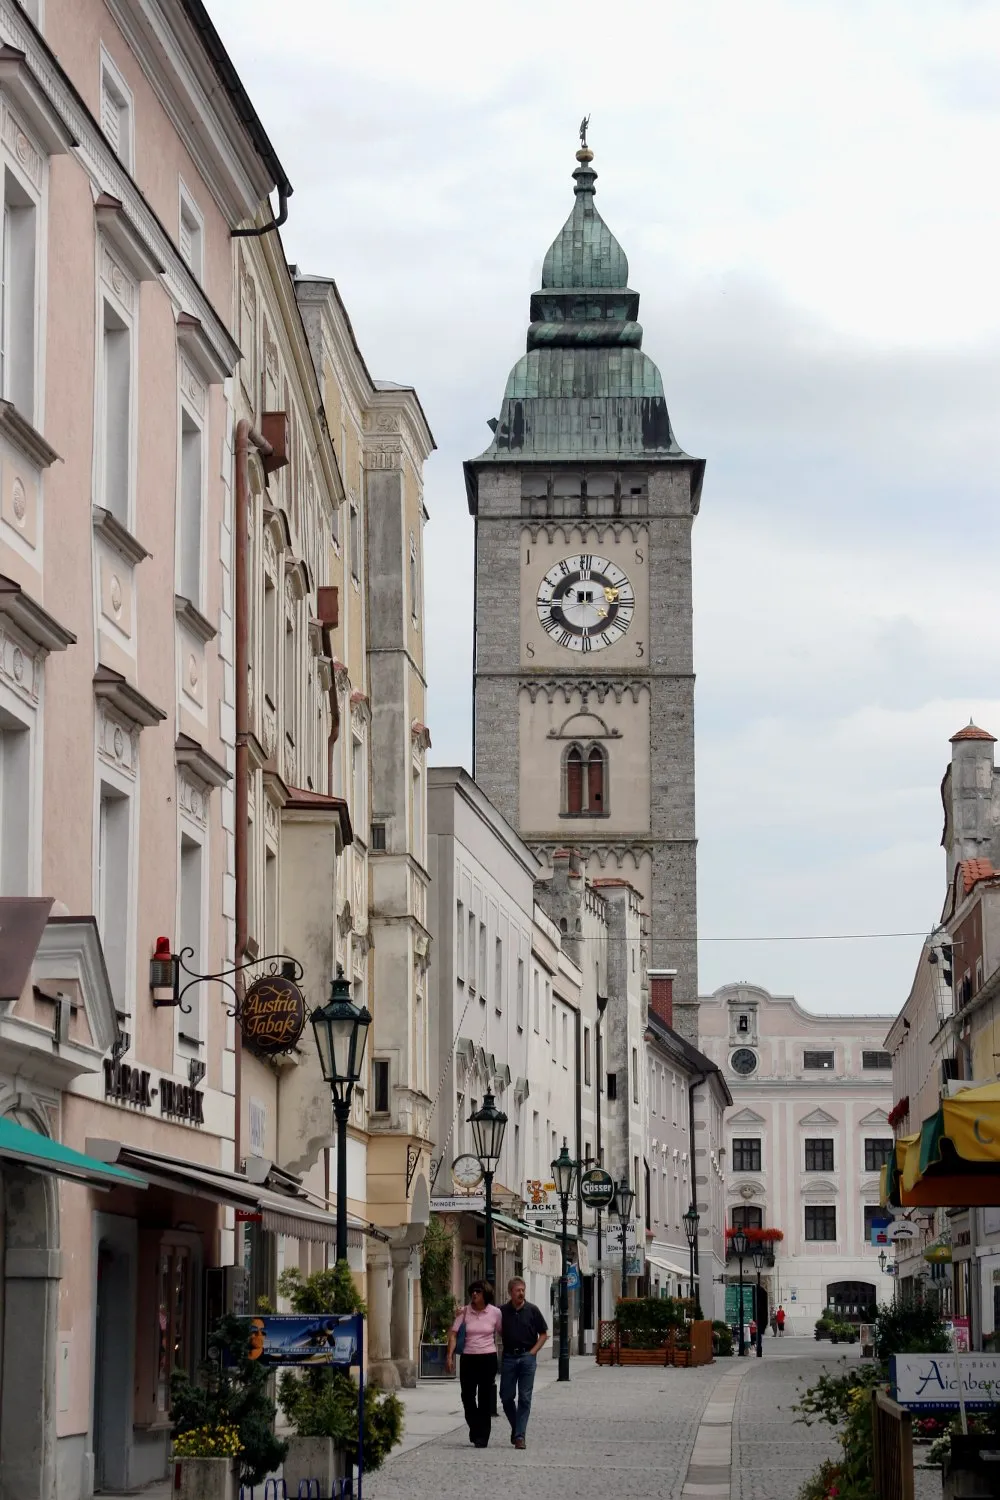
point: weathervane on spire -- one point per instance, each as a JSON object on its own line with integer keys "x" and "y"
{"x": 583, "y": 131}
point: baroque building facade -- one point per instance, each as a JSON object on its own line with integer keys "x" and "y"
{"x": 583, "y": 676}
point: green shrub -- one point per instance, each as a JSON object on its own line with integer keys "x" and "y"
{"x": 436, "y": 1258}
{"x": 911, "y": 1325}
{"x": 723, "y": 1335}
{"x": 323, "y": 1402}
{"x": 232, "y": 1391}
{"x": 646, "y": 1321}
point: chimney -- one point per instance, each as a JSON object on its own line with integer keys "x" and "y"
{"x": 661, "y": 994}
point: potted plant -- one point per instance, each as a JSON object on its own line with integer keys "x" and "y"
{"x": 436, "y": 1258}
{"x": 722, "y": 1338}
{"x": 321, "y": 1402}
{"x": 230, "y": 1394}
{"x": 824, "y": 1325}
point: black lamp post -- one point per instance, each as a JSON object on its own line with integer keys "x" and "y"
{"x": 563, "y": 1171}
{"x": 341, "y": 1029}
{"x": 691, "y": 1220}
{"x": 739, "y": 1244}
{"x": 602, "y": 1005}
{"x": 882, "y": 1260}
{"x": 488, "y": 1126}
{"x": 624, "y": 1199}
{"x": 759, "y": 1251}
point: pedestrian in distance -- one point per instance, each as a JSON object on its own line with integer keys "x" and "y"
{"x": 474, "y": 1335}
{"x": 774, "y": 1325}
{"x": 524, "y": 1332}
{"x": 780, "y": 1316}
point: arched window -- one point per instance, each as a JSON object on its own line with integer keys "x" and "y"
{"x": 584, "y": 781}
{"x": 595, "y": 780}
{"x": 574, "y": 780}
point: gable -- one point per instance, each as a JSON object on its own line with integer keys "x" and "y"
{"x": 745, "y": 1117}
{"x": 818, "y": 1117}
{"x": 876, "y": 1117}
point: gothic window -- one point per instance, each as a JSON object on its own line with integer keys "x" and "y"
{"x": 585, "y": 781}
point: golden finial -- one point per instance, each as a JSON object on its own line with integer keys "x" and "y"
{"x": 584, "y": 154}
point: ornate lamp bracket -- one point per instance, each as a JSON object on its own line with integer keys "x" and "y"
{"x": 273, "y": 963}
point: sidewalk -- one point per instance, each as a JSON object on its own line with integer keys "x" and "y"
{"x": 434, "y": 1407}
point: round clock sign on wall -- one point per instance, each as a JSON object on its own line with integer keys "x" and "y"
{"x": 585, "y": 603}
{"x": 743, "y": 1060}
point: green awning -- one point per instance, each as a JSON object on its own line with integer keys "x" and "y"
{"x": 42, "y": 1154}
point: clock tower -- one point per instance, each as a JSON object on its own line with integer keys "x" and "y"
{"x": 583, "y": 676}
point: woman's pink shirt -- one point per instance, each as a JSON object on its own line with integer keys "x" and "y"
{"x": 480, "y": 1329}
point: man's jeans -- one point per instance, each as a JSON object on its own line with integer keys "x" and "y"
{"x": 517, "y": 1379}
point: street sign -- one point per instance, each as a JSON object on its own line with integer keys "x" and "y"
{"x": 613, "y": 1240}
{"x": 733, "y": 1302}
{"x": 597, "y": 1188}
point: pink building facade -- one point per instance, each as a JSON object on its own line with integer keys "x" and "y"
{"x": 806, "y": 1137}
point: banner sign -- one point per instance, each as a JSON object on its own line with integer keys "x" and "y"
{"x": 929, "y": 1382}
{"x": 733, "y": 1303}
{"x": 322, "y": 1339}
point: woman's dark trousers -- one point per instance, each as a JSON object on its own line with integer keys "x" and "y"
{"x": 476, "y": 1375}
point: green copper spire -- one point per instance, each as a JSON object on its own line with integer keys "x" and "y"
{"x": 584, "y": 389}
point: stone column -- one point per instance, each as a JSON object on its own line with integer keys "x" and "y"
{"x": 381, "y": 1368}
{"x": 402, "y": 1349}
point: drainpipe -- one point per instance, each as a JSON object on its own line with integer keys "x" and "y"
{"x": 246, "y": 436}
{"x": 694, "y": 1195}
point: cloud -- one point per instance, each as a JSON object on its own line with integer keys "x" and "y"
{"x": 802, "y": 188}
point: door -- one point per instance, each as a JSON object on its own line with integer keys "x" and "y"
{"x": 114, "y": 1334}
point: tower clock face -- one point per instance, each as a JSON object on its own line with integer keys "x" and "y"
{"x": 585, "y": 603}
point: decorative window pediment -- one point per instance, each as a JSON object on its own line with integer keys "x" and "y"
{"x": 746, "y": 1117}
{"x": 819, "y": 1117}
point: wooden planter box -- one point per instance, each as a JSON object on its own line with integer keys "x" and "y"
{"x": 644, "y": 1356}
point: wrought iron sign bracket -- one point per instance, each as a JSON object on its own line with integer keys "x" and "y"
{"x": 413, "y": 1155}
{"x": 273, "y": 963}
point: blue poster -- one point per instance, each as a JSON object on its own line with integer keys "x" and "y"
{"x": 320, "y": 1339}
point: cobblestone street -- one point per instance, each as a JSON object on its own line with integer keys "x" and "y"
{"x": 647, "y": 1434}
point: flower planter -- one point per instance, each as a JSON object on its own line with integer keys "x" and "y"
{"x": 432, "y": 1362}
{"x": 314, "y": 1458}
{"x": 643, "y": 1356}
{"x": 205, "y": 1479}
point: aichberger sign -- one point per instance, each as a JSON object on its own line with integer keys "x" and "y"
{"x": 926, "y": 1382}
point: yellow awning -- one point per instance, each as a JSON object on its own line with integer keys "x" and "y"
{"x": 972, "y": 1123}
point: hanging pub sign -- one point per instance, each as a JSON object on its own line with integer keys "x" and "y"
{"x": 273, "y": 1014}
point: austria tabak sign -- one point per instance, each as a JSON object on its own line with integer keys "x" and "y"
{"x": 273, "y": 1014}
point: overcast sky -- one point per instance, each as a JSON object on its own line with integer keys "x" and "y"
{"x": 807, "y": 194}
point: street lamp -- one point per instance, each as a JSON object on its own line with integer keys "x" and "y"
{"x": 691, "y": 1219}
{"x": 341, "y": 1030}
{"x": 624, "y": 1199}
{"x": 602, "y": 1005}
{"x": 563, "y": 1171}
{"x": 488, "y": 1126}
{"x": 739, "y": 1243}
{"x": 759, "y": 1251}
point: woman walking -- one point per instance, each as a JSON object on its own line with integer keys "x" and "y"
{"x": 474, "y": 1334}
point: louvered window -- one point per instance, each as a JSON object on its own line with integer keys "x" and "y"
{"x": 116, "y": 112}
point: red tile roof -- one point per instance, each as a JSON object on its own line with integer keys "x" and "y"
{"x": 974, "y": 870}
{"x": 972, "y": 732}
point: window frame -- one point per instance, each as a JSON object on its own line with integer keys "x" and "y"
{"x": 576, "y": 795}
{"x": 811, "y": 1221}
{"x": 120, "y": 788}
{"x": 872, "y": 1162}
{"x": 187, "y": 208}
{"x": 384, "y": 1067}
{"x": 881, "y": 1067}
{"x": 822, "y": 1158}
{"x": 739, "y": 1151}
{"x": 819, "y": 1067}
{"x": 119, "y": 297}
{"x": 111, "y": 73}
{"x": 23, "y": 720}
{"x": 192, "y": 1029}
{"x": 187, "y": 411}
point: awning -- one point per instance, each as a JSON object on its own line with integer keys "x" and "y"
{"x": 526, "y": 1231}
{"x": 42, "y": 1154}
{"x": 952, "y": 1161}
{"x": 666, "y": 1265}
{"x": 282, "y": 1213}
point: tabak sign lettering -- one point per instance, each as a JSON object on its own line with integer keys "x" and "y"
{"x": 182, "y": 1102}
{"x": 273, "y": 1014}
{"x": 127, "y": 1085}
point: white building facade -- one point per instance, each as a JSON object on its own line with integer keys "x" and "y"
{"x": 807, "y": 1135}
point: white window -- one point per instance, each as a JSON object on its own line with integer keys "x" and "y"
{"x": 482, "y": 961}
{"x": 270, "y": 628}
{"x": 586, "y": 1057}
{"x": 116, "y": 426}
{"x": 290, "y": 679}
{"x": 565, "y": 1040}
{"x": 191, "y": 509}
{"x": 15, "y": 806}
{"x": 191, "y": 233}
{"x": 358, "y": 782}
{"x": 471, "y": 953}
{"x": 520, "y": 994}
{"x": 17, "y": 298}
{"x": 355, "y": 543}
{"x": 534, "y": 1001}
{"x": 554, "y": 1037}
{"x": 460, "y": 941}
{"x": 117, "y": 112}
{"x": 414, "y": 579}
{"x": 498, "y": 975}
{"x": 270, "y": 901}
{"x": 190, "y": 926}
{"x": 418, "y": 814}
{"x": 114, "y": 858}
{"x": 635, "y": 1075}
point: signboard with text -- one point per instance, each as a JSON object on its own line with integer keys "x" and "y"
{"x": 733, "y": 1303}
{"x": 929, "y": 1382}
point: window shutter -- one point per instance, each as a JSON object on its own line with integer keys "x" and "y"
{"x": 574, "y": 781}
{"x": 110, "y": 116}
{"x": 595, "y": 781}
{"x": 185, "y": 245}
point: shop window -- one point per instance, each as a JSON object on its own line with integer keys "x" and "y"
{"x": 174, "y": 1319}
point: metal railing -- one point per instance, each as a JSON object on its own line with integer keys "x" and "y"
{"x": 892, "y": 1434}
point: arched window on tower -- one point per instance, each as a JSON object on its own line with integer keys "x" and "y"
{"x": 595, "y": 780}
{"x": 574, "y": 780}
{"x": 584, "y": 781}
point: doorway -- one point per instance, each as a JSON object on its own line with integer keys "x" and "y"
{"x": 852, "y": 1301}
{"x": 29, "y": 1289}
{"x": 113, "y": 1351}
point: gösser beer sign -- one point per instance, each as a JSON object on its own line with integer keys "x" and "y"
{"x": 273, "y": 1014}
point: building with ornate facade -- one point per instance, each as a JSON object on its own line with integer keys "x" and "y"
{"x": 806, "y": 1137}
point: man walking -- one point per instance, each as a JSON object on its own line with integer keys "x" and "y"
{"x": 524, "y": 1331}
{"x": 780, "y": 1317}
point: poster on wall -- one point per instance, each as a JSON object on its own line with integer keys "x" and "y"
{"x": 733, "y": 1302}
{"x": 323, "y": 1339}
